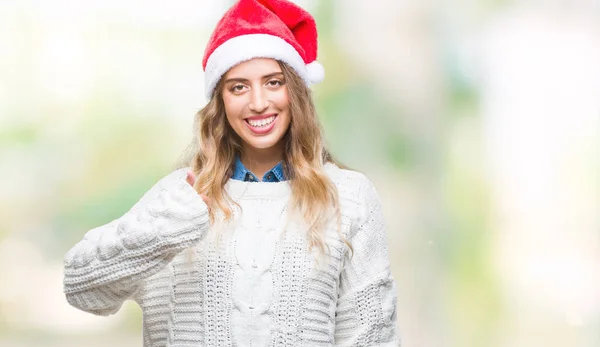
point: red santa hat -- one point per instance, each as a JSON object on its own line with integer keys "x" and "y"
{"x": 277, "y": 29}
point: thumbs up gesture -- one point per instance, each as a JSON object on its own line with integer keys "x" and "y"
{"x": 191, "y": 179}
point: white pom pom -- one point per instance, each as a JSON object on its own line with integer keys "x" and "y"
{"x": 315, "y": 72}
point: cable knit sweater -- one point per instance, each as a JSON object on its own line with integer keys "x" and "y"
{"x": 250, "y": 282}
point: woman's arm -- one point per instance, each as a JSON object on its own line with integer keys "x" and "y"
{"x": 366, "y": 308}
{"x": 107, "y": 266}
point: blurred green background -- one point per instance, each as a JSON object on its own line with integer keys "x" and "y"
{"x": 478, "y": 121}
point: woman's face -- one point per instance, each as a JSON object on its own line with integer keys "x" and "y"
{"x": 256, "y": 103}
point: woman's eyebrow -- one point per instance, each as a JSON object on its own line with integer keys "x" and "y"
{"x": 244, "y": 80}
{"x": 279, "y": 73}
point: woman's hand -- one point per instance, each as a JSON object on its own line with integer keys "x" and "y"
{"x": 191, "y": 179}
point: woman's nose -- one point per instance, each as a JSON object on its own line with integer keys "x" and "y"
{"x": 258, "y": 100}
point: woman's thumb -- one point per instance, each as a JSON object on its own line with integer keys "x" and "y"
{"x": 191, "y": 178}
{"x": 206, "y": 200}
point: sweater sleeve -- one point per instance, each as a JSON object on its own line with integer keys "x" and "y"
{"x": 108, "y": 265}
{"x": 366, "y": 307}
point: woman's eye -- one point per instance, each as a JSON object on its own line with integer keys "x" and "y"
{"x": 237, "y": 88}
{"x": 275, "y": 83}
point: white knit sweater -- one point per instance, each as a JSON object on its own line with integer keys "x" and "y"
{"x": 244, "y": 283}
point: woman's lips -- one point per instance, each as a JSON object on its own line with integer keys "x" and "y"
{"x": 261, "y": 130}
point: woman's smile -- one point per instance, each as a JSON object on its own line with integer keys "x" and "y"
{"x": 261, "y": 124}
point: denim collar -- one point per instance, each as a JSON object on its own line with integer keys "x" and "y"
{"x": 240, "y": 173}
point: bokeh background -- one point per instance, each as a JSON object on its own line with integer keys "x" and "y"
{"x": 478, "y": 121}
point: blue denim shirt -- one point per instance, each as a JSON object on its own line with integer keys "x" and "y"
{"x": 240, "y": 173}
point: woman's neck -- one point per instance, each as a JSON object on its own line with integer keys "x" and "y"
{"x": 259, "y": 161}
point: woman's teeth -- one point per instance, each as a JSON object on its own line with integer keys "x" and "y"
{"x": 262, "y": 122}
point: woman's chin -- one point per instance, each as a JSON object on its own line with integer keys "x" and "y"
{"x": 262, "y": 142}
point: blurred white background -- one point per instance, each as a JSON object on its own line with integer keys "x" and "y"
{"x": 478, "y": 121}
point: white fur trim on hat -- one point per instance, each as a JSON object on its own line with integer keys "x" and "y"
{"x": 246, "y": 47}
{"x": 315, "y": 72}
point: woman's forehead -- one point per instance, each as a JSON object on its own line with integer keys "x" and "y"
{"x": 254, "y": 68}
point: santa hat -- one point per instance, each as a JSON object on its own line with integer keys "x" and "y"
{"x": 276, "y": 29}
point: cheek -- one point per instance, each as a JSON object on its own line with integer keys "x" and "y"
{"x": 232, "y": 109}
{"x": 282, "y": 100}
{"x": 283, "y": 103}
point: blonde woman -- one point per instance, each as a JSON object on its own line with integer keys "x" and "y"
{"x": 262, "y": 239}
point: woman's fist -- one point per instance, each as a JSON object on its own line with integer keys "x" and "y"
{"x": 191, "y": 179}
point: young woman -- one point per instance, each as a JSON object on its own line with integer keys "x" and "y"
{"x": 263, "y": 240}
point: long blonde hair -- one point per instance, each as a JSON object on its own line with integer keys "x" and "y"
{"x": 215, "y": 145}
